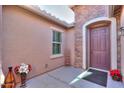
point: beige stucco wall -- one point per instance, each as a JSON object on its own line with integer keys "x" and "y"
{"x": 70, "y": 45}
{"x": 27, "y": 39}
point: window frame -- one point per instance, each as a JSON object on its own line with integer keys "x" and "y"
{"x": 55, "y": 42}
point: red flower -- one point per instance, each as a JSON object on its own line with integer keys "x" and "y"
{"x": 116, "y": 74}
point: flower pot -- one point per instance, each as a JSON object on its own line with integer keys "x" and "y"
{"x": 116, "y": 78}
{"x": 23, "y": 77}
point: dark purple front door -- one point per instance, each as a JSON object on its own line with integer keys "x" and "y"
{"x": 100, "y": 48}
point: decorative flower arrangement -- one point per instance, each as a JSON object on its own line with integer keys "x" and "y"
{"x": 116, "y": 75}
{"x": 23, "y": 68}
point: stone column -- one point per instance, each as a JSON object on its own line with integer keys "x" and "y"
{"x": 122, "y": 56}
{"x": 122, "y": 44}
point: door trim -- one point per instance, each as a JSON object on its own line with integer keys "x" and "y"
{"x": 113, "y": 41}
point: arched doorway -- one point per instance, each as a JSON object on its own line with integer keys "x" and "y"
{"x": 106, "y": 26}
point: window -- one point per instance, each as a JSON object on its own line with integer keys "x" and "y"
{"x": 56, "y": 43}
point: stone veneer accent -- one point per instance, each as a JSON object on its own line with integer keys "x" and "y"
{"x": 118, "y": 44}
{"x": 84, "y": 13}
{"x": 117, "y": 15}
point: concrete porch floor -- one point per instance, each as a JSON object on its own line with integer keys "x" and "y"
{"x": 67, "y": 77}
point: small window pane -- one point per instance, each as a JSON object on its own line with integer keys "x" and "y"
{"x": 56, "y": 36}
{"x": 56, "y": 48}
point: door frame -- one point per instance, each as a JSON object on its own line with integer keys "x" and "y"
{"x": 113, "y": 41}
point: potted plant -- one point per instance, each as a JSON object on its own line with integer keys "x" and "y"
{"x": 116, "y": 75}
{"x": 23, "y": 70}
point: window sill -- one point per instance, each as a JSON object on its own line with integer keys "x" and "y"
{"x": 56, "y": 56}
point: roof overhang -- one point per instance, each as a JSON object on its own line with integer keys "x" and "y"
{"x": 43, "y": 13}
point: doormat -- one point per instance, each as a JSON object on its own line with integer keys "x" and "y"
{"x": 98, "y": 77}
